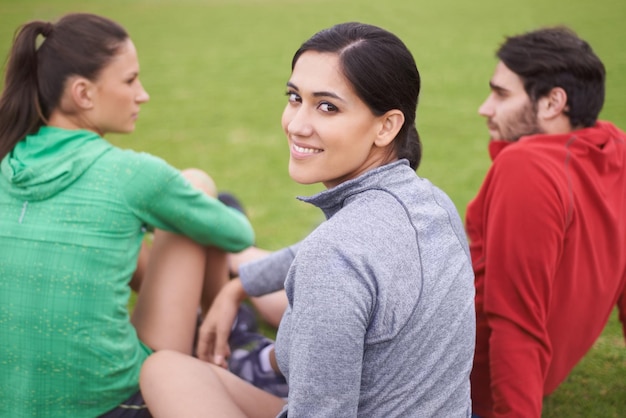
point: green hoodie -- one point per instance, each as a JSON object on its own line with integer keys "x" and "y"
{"x": 73, "y": 212}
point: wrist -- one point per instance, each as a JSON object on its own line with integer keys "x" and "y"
{"x": 235, "y": 290}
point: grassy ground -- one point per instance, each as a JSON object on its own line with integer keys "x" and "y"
{"x": 216, "y": 72}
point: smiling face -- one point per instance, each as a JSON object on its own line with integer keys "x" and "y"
{"x": 333, "y": 136}
{"x": 117, "y": 94}
{"x": 509, "y": 111}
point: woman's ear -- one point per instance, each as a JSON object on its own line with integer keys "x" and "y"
{"x": 391, "y": 123}
{"x": 81, "y": 91}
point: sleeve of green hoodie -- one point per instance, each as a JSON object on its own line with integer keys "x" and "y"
{"x": 160, "y": 196}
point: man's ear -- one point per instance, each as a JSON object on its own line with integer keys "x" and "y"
{"x": 81, "y": 91}
{"x": 553, "y": 105}
{"x": 391, "y": 123}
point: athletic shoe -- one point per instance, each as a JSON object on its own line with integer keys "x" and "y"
{"x": 232, "y": 201}
{"x": 229, "y": 199}
{"x": 245, "y": 363}
{"x": 245, "y": 323}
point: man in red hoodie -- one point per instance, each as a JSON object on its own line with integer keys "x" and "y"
{"x": 548, "y": 226}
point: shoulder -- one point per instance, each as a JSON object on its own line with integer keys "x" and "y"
{"x": 139, "y": 176}
{"x": 368, "y": 223}
{"x": 130, "y": 164}
{"x": 534, "y": 151}
{"x": 532, "y": 164}
{"x": 528, "y": 180}
{"x": 132, "y": 157}
{"x": 370, "y": 212}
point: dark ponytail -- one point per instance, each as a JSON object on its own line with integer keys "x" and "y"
{"x": 411, "y": 149}
{"x": 78, "y": 44}
{"x": 20, "y": 109}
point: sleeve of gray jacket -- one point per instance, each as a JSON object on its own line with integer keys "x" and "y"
{"x": 267, "y": 275}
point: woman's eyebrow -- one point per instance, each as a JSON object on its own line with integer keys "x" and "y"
{"x": 318, "y": 93}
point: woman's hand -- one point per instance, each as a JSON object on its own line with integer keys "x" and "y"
{"x": 215, "y": 329}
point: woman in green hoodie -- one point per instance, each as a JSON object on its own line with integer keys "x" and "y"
{"x": 73, "y": 213}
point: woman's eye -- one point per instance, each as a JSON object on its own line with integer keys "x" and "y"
{"x": 293, "y": 97}
{"x": 327, "y": 107}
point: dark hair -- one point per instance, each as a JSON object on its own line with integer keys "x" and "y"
{"x": 78, "y": 44}
{"x": 557, "y": 57}
{"x": 382, "y": 72}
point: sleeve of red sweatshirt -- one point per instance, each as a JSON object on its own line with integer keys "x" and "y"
{"x": 525, "y": 224}
{"x": 621, "y": 305}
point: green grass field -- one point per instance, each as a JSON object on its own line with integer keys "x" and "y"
{"x": 216, "y": 72}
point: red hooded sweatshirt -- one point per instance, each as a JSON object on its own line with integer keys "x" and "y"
{"x": 547, "y": 237}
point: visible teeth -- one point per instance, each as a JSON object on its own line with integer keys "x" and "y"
{"x": 306, "y": 150}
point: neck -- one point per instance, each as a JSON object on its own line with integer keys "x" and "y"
{"x": 69, "y": 121}
{"x": 558, "y": 125}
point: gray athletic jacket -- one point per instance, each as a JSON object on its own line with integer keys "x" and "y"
{"x": 381, "y": 318}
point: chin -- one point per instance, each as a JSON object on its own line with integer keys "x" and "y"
{"x": 302, "y": 178}
{"x": 303, "y": 174}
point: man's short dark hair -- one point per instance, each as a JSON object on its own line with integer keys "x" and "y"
{"x": 556, "y": 57}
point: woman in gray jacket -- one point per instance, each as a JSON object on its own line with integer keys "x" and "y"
{"x": 380, "y": 320}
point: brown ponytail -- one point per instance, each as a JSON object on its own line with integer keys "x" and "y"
{"x": 20, "y": 110}
{"x": 411, "y": 149}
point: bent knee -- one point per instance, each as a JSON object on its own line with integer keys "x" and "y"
{"x": 155, "y": 365}
{"x": 200, "y": 180}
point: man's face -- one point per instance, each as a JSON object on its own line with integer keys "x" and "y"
{"x": 509, "y": 111}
